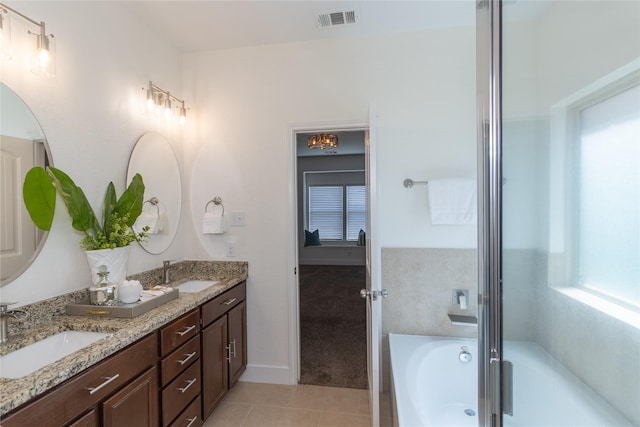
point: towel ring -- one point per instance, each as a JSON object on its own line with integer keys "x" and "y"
{"x": 154, "y": 201}
{"x": 216, "y": 201}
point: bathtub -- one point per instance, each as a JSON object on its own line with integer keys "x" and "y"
{"x": 431, "y": 387}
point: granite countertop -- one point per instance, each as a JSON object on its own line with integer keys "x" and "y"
{"x": 124, "y": 331}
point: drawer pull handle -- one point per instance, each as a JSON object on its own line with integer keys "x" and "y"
{"x": 230, "y": 301}
{"x": 189, "y": 356}
{"x": 186, "y": 330}
{"x": 191, "y": 420}
{"x": 107, "y": 381}
{"x": 233, "y": 352}
{"x": 228, "y": 358}
{"x": 185, "y": 388}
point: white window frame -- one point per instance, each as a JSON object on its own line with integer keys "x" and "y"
{"x": 563, "y": 214}
{"x": 333, "y": 178}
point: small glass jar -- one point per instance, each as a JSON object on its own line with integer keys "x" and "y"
{"x": 104, "y": 293}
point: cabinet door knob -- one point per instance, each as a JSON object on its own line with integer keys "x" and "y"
{"x": 230, "y": 301}
{"x": 192, "y": 420}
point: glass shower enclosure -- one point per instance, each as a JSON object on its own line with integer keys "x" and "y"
{"x": 559, "y": 247}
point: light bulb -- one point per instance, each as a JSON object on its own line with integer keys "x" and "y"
{"x": 167, "y": 107}
{"x": 183, "y": 114}
{"x": 43, "y": 58}
{"x": 150, "y": 102}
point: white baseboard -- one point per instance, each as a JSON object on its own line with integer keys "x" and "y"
{"x": 267, "y": 374}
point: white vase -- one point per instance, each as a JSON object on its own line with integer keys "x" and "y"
{"x": 114, "y": 259}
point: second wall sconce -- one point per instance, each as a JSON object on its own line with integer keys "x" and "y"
{"x": 160, "y": 98}
{"x": 43, "y": 54}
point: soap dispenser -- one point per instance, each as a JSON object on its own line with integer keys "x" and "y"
{"x": 104, "y": 293}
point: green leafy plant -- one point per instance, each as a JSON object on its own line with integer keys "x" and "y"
{"x": 119, "y": 214}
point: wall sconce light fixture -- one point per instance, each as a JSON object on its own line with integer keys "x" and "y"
{"x": 43, "y": 55}
{"x": 323, "y": 141}
{"x": 160, "y": 98}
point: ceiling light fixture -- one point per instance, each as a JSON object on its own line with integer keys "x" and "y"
{"x": 43, "y": 55}
{"x": 160, "y": 98}
{"x": 323, "y": 141}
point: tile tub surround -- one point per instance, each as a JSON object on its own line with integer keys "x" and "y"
{"x": 420, "y": 282}
{"x": 15, "y": 392}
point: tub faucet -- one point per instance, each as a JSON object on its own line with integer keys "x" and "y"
{"x": 461, "y": 298}
{"x": 6, "y": 314}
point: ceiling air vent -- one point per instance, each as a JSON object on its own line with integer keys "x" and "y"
{"x": 334, "y": 19}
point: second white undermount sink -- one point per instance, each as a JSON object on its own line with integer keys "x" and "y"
{"x": 26, "y": 360}
{"x": 195, "y": 285}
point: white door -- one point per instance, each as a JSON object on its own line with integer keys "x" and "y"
{"x": 18, "y": 239}
{"x": 374, "y": 304}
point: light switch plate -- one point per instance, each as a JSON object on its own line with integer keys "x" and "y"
{"x": 237, "y": 218}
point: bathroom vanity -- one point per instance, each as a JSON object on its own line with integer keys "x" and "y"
{"x": 170, "y": 366}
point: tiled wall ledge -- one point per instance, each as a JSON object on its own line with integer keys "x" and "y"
{"x": 42, "y": 312}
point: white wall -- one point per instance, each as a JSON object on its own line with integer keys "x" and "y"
{"x": 92, "y": 115}
{"x": 246, "y": 100}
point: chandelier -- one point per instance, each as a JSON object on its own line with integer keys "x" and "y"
{"x": 323, "y": 141}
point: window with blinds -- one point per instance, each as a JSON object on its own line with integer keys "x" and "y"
{"x": 338, "y": 212}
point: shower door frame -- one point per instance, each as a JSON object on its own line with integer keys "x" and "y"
{"x": 488, "y": 79}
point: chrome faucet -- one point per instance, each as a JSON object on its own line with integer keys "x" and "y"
{"x": 4, "y": 315}
{"x": 165, "y": 272}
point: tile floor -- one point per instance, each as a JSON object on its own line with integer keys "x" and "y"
{"x": 266, "y": 405}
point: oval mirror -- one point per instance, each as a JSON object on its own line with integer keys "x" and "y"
{"x": 154, "y": 159}
{"x": 22, "y": 146}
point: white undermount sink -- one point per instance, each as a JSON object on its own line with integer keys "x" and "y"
{"x": 195, "y": 285}
{"x": 29, "y": 359}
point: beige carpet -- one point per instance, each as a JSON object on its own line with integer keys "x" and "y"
{"x": 333, "y": 340}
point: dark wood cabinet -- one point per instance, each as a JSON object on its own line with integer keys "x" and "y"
{"x": 136, "y": 405}
{"x": 84, "y": 392}
{"x": 174, "y": 377}
{"x": 215, "y": 371}
{"x": 237, "y": 319}
{"x": 224, "y": 345}
{"x": 180, "y": 366}
{"x": 90, "y": 419}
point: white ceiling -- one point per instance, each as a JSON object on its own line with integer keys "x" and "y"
{"x": 214, "y": 24}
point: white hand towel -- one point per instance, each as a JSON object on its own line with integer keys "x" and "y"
{"x": 453, "y": 201}
{"x": 212, "y": 224}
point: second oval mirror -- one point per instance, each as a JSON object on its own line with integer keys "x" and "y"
{"x": 155, "y": 160}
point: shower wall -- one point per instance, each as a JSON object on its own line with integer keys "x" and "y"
{"x": 565, "y": 49}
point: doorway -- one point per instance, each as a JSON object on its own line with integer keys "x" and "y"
{"x": 331, "y": 217}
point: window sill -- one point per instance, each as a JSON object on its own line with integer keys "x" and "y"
{"x": 605, "y": 306}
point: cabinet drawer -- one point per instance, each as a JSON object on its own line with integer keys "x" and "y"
{"x": 90, "y": 419}
{"x": 73, "y": 397}
{"x": 180, "y": 392}
{"x": 190, "y": 417}
{"x": 179, "y": 332}
{"x": 223, "y": 303}
{"x": 180, "y": 359}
